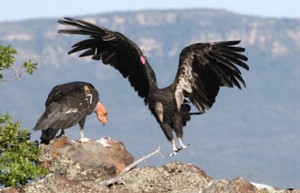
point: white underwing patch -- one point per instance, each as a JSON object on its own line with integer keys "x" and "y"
{"x": 72, "y": 110}
{"x": 184, "y": 83}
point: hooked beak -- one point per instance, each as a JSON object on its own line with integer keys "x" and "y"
{"x": 159, "y": 110}
{"x": 101, "y": 112}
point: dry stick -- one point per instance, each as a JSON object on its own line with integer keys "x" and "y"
{"x": 118, "y": 177}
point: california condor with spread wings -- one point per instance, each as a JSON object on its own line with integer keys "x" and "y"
{"x": 68, "y": 104}
{"x": 203, "y": 69}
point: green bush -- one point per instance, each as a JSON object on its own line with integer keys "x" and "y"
{"x": 18, "y": 155}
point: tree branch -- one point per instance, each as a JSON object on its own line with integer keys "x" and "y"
{"x": 117, "y": 179}
{"x": 16, "y": 71}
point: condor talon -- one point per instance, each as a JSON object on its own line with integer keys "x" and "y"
{"x": 84, "y": 139}
{"x": 173, "y": 153}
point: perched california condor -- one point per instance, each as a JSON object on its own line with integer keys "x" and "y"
{"x": 68, "y": 104}
{"x": 203, "y": 69}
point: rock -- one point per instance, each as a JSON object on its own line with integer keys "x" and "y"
{"x": 173, "y": 177}
{"x": 59, "y": 183}
{"x": 16, "y": 189}
{"x": 263, "y": 188}
{"x": 90, "y": 160}
{"x": 236, "y": 185}
{"x": 80, "y": 167}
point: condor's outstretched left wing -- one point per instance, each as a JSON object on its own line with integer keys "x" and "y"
{"x": 204, "y": 68}
{"x": 114, "y": 49}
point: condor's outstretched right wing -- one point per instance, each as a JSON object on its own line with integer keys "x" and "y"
{"x": 114, "y": 49}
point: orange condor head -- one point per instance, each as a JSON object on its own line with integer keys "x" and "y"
{"x": 101, "y": 112}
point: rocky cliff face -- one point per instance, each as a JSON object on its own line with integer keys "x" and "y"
{"x": 81, "y": 167}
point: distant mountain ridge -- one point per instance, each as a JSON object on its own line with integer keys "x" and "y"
{"x": 246, "y": 133}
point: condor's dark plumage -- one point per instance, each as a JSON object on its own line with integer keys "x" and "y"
{"x": 68, "y": 104}
{"x": 203, "y": 69}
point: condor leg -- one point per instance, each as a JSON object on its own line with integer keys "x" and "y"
{"x": 178, "y": 128}
{"x": 62, "y": 133}
{"x": 48, "y": 135}
{"x": 82, "y": 138}
{"x": 168, "y": 133}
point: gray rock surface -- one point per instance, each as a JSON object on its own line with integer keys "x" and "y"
{"x": 80, "y": 167}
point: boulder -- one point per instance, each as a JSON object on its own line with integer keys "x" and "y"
{"x": 173, "y": 177}
{"x": 59, "y": 183}
{"x": 91, "y": 160}
{"x": 236, "y": 185}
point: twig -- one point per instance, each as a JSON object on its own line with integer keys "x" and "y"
{"x": 15, "y": 70}
{"x": 119, "y": 176}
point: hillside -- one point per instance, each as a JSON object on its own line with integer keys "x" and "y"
{"x": 251, "y": 133}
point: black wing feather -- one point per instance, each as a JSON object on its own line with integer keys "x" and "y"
{"x": 114, "y": 49}
{"x": 66, "y": 106}
{"x": 60, "y": 91}
{"x": 204, "y": 68}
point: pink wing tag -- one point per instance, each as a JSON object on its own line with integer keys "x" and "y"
{"x": 142, "y": 59}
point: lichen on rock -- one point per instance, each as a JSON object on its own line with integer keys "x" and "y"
{"x": 80, "y": 167}
{"x": 172, "y": 177}
{"x": 85, "y": 161}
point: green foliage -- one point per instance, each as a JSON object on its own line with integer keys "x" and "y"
{"x": 29, "y": 66}
{"x": 6, "y": 56}
{"x": 18, "y": 155}
{"x": 7, "y": 60}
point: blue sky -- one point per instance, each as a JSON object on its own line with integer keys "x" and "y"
{"x": 13, "y": 10}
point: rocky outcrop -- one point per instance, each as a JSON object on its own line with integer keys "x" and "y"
{"x": 101, "y": 159}
{"x": 172, "y": 177}
{"x": 80, "y": 167}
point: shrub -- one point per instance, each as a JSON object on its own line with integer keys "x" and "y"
{"x": 18, "y": 155}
